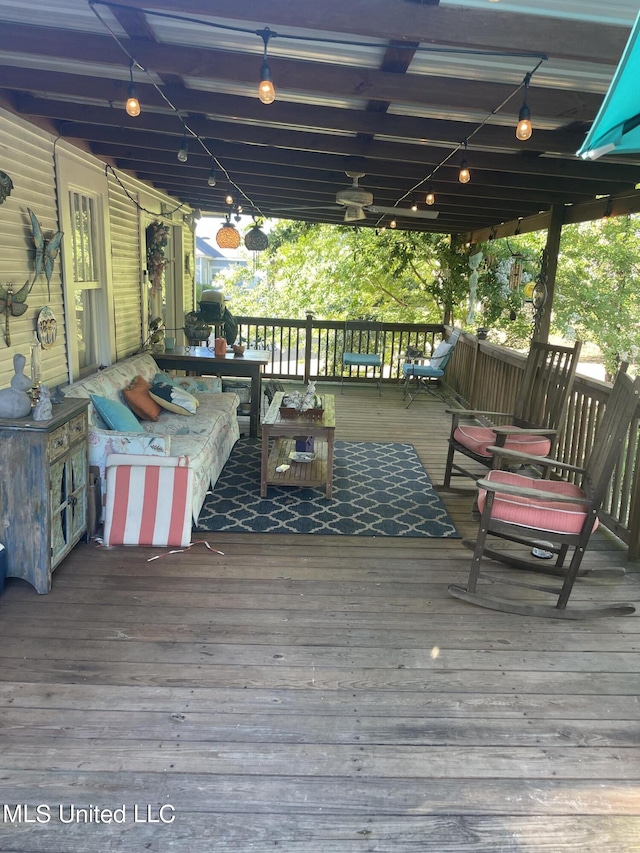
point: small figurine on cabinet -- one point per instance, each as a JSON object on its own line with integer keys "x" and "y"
{"x": 14, "y": 401}
{"x": 43, "y": 410}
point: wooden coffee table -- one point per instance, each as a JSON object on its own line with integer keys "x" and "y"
{"x": 319, "y": 471}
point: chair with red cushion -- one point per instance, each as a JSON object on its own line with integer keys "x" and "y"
{"x": 556, "y": 516}
{"x": 533, "y": 425}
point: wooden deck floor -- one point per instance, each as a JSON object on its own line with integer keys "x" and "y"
{"x": 314, "y": 694}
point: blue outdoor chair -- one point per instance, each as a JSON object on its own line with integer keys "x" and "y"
{"x": 361, "y": 349}
{"x": 421, "y": 375}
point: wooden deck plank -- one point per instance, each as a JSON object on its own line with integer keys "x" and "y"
{"x": 287, "y": 694}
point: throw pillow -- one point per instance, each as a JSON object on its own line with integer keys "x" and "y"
{"x": 173, "y": 398}
{"x": 441, "y": 351}
{"x": 116, "y": 415}
{"x": 141, "y": 403}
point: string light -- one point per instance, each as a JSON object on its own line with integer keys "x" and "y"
{"x": 430, "y": 197}
{"x": 229, "y": 199}
{"x": 211, "y": 180}
{"x": 183, "y": 153}
{"x": 266, "y": 89}
{"x": 132, "y": 106}
{"x": 524, "y": 129}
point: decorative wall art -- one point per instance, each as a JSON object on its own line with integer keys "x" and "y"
{"x": 6, "y": 185}
{"x": 47, "y": 328}
{"x": 12, "y": 304}
{"x": 46, "y": 250}
{"x": 157, "y": 238}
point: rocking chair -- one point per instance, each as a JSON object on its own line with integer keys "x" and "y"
{"x": 551, "y": 515}
{"x": 532, "y": 427}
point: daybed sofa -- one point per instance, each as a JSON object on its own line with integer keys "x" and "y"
{"x": 205, "y": 438}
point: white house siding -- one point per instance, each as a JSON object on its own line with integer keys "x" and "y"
{"x": 26, "y": 155}
{"x": 126, "y": 259}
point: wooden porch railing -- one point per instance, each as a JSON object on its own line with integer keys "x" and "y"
{"x": 480, "y": 374}
{"x": 312, "y": 349}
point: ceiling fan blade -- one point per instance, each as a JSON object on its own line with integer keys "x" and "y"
{"x": 403, "y": 212}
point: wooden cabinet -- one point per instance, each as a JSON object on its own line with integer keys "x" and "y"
{"x": 43, "y": 490}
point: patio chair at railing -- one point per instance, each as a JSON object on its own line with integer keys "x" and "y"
{"x": 552, "y": 515}
{"x": 362, "y": 348}
{"x": 533, "y": 425}
{"x": 422, "y": 374}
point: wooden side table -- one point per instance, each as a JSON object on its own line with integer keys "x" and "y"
{"x": 318, "y": 472}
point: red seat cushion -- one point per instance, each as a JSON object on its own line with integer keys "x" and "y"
{"x": 550, "y": 516}
{"x": 478, "y": 438}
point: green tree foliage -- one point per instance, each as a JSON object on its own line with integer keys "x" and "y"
{"x": 597, "y": 287}
{"x": 335, "y": 272}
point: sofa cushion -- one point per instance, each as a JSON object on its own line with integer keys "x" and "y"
{"x": 140, "y": 401}
{"x": 173, "y": 398}
{"x": 116, "y": 415}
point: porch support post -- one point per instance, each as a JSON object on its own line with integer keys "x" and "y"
{"x": 308, "y": 336}
{"x": 552, "y": 248}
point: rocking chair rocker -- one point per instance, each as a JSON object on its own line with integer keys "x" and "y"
{"x": 554, "y": 515}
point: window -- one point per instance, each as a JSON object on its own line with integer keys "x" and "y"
{"x": 85, "y": 278}
{"x": 86, "y": 273}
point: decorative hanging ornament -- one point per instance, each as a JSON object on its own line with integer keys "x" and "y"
{"x": 228, "y": 237}
{"x": 256, "y": 240}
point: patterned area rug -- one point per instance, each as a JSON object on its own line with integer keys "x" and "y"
{"x": 378, "y": 490}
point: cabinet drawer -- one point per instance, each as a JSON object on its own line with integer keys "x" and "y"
{"x": 58, "y": 442}
{"x": 77, "y": 428}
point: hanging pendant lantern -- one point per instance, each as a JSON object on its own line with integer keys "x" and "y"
{"x": 228, "y": 236}
{"x": 256, "y": 240}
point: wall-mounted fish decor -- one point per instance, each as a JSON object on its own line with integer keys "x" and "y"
{"x": 46, "y": 250}
{"x": 12, "y": 305}
{"x": 6, "y": 185}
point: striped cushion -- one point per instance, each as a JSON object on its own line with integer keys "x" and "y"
{"x": 548, "y": 516}
{"x": 478, "y": 438}
{"x": 148, "y": 504}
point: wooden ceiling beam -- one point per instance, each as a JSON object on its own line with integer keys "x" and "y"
{"x": 213, "y": 66}
{"x": 99, "y": 115}
{"x": 489, "y": 29}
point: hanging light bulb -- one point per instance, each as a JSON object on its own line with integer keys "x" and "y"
{"x": 183, "y": 153}
{"x": 464, "y": 175}
{"x": 430, "y": 197}
{"x": 132, "y": 106}
{"x": 211, "y": 180}
{"x": 229, "y": 199}
{"x": 266, "y": 89}
{"x": 414, "y": 206}
{"x": 393, "y": 223}
{"x": 524, "y": 129}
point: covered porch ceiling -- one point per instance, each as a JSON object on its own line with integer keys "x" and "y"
{"x": 400, "y": 91}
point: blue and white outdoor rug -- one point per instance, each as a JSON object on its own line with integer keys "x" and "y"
{"x": 378, "y": 490}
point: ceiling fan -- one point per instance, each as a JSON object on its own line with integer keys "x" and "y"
{"x": 357, "y": 202}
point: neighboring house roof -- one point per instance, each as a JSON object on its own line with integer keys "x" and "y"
{"x": 205, "y": 248}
